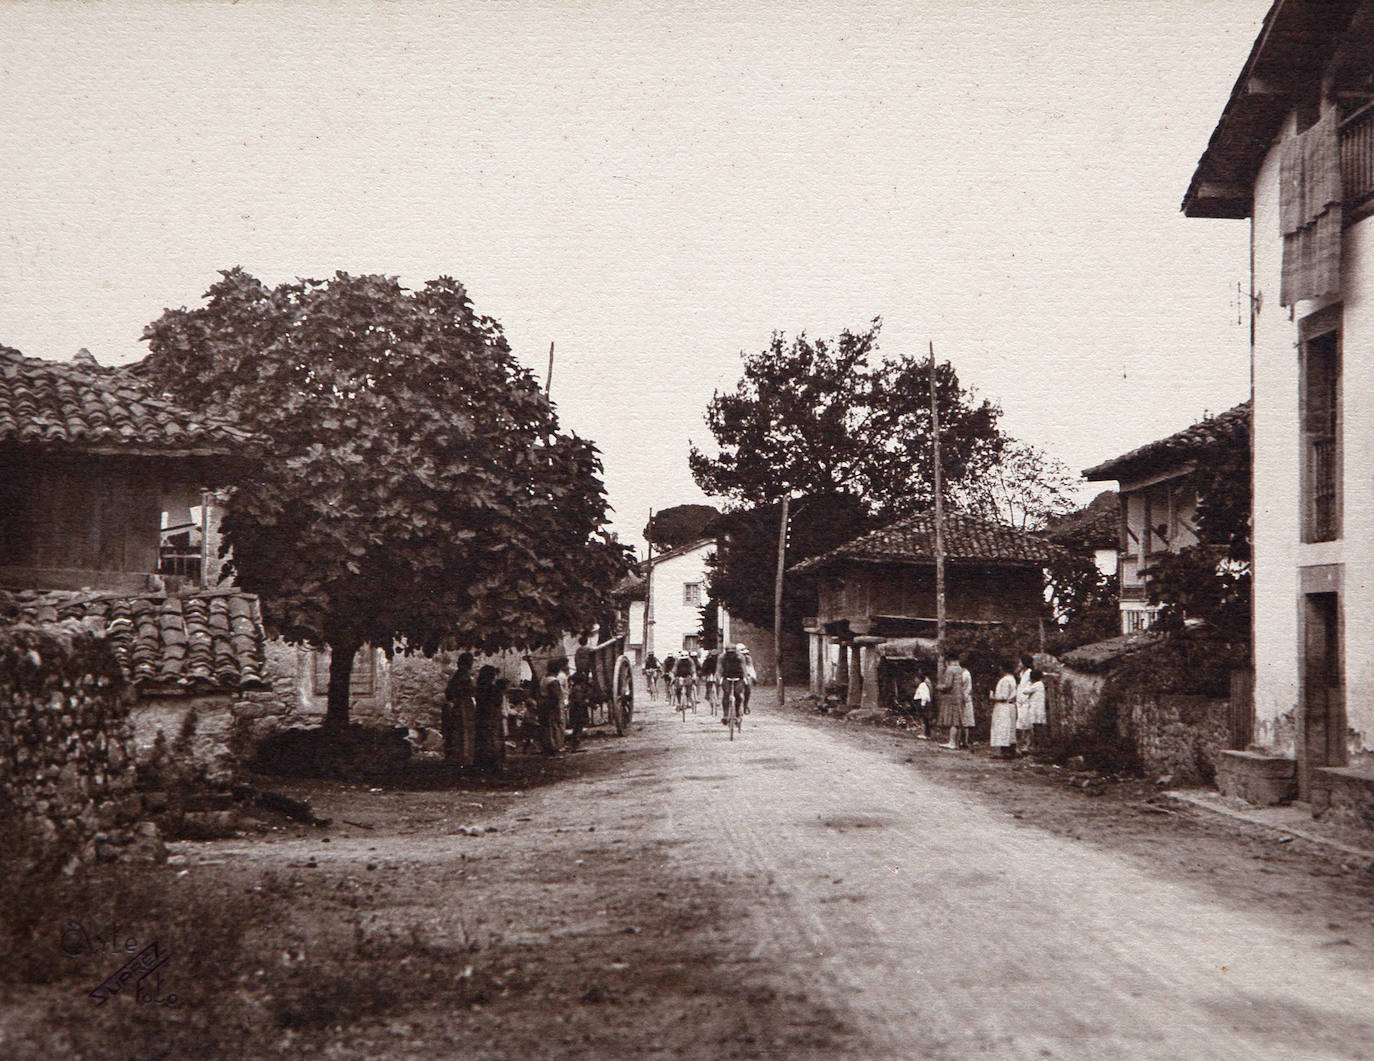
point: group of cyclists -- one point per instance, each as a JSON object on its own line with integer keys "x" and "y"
{"x": 718, "y": 675}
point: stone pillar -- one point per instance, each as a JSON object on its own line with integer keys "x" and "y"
{"x": 814, "y": 671}
{"x": 868, "y": 669}
{"x": 856, "y": 677}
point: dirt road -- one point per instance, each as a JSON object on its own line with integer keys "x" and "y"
{"x": 806, "y": 891}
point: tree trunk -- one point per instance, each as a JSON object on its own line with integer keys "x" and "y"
{"x": 340, "y": 674}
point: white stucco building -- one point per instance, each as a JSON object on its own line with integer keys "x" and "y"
{"x": 669, "y": 621}
{"x": 1293, "y": 153}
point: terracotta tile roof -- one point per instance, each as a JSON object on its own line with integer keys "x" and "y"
{"x": 81, "y": 405}
{"x": 1097, "y": 526}
{"x": 1234, "y": 424}
{"x": 199, "y": 643}
{"x": 967, "y": 539}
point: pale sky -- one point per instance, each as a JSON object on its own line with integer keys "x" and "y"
{"x": 656, "y": 188}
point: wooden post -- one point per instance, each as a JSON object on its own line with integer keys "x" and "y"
{"x": 777, "y": 599}
{"x": 939, "y": 526}
{"x": 649, "y": 590}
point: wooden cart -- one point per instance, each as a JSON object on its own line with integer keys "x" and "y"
{"x": 613, "y": 697}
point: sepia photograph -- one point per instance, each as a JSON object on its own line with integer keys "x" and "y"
{"x": 724, "y": 530}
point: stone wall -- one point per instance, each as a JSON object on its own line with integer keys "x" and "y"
{"x": 1158, "y": 734}
{"x": 66, "y": 750}
{"x": 208, "y": 739}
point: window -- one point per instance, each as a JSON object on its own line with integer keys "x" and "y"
{"x": 690, "y": 642}
{"x": 362, "y": 682}
{"x": 691, "y": 594}
{"x": 1321, "y": 455}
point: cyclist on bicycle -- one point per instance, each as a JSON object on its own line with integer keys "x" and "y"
{"x": 685, "y": 671}
{"x": 710, "y": 676}
{"x": 669, "y": 682}
{"x": 651, "y": 672}
{"x": 750, "y": 674}
{"x": 734, "y": 687}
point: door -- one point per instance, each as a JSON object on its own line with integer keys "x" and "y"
{"x": 1323, "y": 727}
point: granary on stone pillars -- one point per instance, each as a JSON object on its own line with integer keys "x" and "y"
{"x": 881, "y": 586}
{"x": 1292, "y": 154}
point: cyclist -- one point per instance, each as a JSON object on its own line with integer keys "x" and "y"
{"x": 651, "y": 673}
{"x": 750, "y": 674}
{"x": 734, "y": 687}
{"x": 710, "y": 676}
{"x": 669, "y": 682}
{"x": 685, "y": 683}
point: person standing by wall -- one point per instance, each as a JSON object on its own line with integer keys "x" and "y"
{"x": 491, "y": 722}
{"x": 920, "y": 700}
{"x": 552, "y": 701}
{"x": 952, "y": 701}
{"x": 1002, "y": 733}
{"x": 458, "y": 716}
{"x": 1037, "y": 709}
{"x": 1023, "y": 684}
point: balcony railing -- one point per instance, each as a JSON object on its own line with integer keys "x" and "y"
{"x": 1357, "y": 163}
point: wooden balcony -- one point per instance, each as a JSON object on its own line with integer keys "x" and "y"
{"x": 1357, "y": 163}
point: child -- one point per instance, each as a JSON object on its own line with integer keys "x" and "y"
{"x": 1038, "y": 711}
{"x": 921, "y": 701}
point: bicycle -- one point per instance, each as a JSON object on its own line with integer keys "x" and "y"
{"x": 684, "y": 695}
{"x": 651, "y": 683}
{"x": 731, "y": 704}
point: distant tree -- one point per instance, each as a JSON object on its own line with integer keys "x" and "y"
{"x": 1024, "y": 488}
{"x": 825, "y": 417}
{"x": 679, "y": 525}
{"x": 414, "y": 482}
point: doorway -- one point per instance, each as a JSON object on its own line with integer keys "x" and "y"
{"x": 1323, "y": 695}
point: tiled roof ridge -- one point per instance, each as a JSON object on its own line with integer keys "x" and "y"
{"x": 89, "y": 404}
{"x": 967, "y": 538}
{"x": 1196, "y": 436}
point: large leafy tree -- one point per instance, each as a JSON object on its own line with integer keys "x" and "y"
{"x": 414, "y": 482}
{"x": 828, "y": 417}
{"x": 742, "y": 569}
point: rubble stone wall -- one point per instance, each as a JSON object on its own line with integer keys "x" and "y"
{"x": 1161, "y": 734}
{"x": 66, "y": 749}
{"x": 208, "y": 739}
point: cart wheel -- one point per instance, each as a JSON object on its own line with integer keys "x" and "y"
{"x": 622, "y": 704}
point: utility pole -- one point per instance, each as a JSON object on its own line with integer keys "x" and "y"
{"x": 939, "y": 526}
{"x": 777, "y": 598}
{"x": 649, "y": 589}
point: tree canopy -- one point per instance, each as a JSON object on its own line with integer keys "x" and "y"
{"x": 827, "y": 417}
{"x": 414, "y": 483}
{"x": 680, "y": 525}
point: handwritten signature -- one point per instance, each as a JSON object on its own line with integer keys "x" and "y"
{"x": 143, "y": 971}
